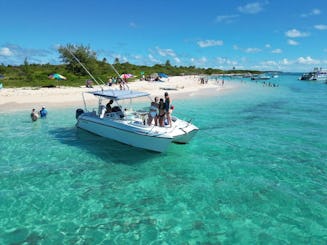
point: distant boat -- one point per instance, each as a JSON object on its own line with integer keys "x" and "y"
{"x": 260, "y": 77}
{"x": 318, "y": 74}
{"x": 307, "y": 76}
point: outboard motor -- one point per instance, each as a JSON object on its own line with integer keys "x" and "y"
{"x": 79, "y": 112}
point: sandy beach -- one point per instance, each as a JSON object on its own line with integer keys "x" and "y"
{"x": 179, "y": 87}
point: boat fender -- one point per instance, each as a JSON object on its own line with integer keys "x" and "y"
{"x": 79, "y": 112}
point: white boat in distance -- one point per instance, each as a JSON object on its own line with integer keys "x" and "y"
{"x": 128, "y": 126}
{"x": 318, "y": 74}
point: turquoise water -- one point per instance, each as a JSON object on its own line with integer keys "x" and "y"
{"x": 256, "y": 173}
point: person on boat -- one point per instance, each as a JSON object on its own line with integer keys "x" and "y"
{"x": 170, "y": 112}
{"x": 171, "y": 109}
{"x": 153, "y": 113}
{"x": 34, "y": 115}
{"x": 109, "y": 83}
{"x": 120, "y": 82}
{"x": 108, "y": 106}
{"x": 161, "y": 116}
{"x": 89, "y": 83}
{"x": 167, "y": 106}
{"x": 43, "y": 112}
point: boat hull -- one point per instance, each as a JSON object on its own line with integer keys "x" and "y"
{"x": 183, "y": 132}
{"x": 184, "y": 138}
{"x": 126, "y": 134}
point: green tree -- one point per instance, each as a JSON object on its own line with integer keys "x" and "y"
{"x": 2, "y": 68}
{"x": 83, "y": 53}
{"x": 167, "y": 63}
{"x": 27, "y": 69}
{"x": 116, "y": 61}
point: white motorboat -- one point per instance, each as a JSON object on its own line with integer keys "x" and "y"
{"x": 260, "y": 77}
{"x": 321, "y": 74}
{"x": 318, "y": 74}
{"x": 129, "y": 126}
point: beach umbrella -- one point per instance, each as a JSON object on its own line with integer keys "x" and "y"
{"x": 125, "y": 76}
{"x": 56, "y": 76}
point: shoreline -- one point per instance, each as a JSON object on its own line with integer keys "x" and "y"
{"x": 178, "y": 87}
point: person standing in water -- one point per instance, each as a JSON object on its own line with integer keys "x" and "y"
{"x": 43, "y": 112}
{"x": 34, "y": 115}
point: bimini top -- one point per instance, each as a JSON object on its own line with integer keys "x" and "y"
{"x": 119, "y": 94}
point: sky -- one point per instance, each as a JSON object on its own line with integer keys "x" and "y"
{"x": 225, "y": 34}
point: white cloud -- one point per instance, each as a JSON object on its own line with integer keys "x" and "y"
{"x": 153, "y": 59}
{"x": 137, "y": 57}
{"x": 277, "y": 51}
{"x": 307, "y": 61}
{"x": 203, "y": 59}
{"x": 292, "y": 42}
{"x": 227, "y": 18}
{"x": 177, "y": 60}
{"x": 268, "y": 45}
{"x": 210, "y": 43}
{"x": 166, "y": 52}
{"x": 5, "y": 52}
{"x": 16, "y": 55}
{"x": 132, "y": 24}
{"x": 311, "y": 13}
{"x": 269, "y": 63}
{"x": 296, "y": 33}
{"x": 235, "y": 47}
{"x": 252, "y": 50}
{"x": 200, "y": 62}
{"x": 316, "y": 12}
{"x": 225, "y": 61}
{"x": 321, "y": 27}
{"x": 251, "y": 8}
{"x": 285, "y": 62}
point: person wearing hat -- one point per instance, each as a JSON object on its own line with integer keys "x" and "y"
{"x": 43, "y": 112}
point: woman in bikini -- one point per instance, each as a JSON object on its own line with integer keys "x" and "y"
{"x": 161, "y": 112}
{"x": 153, "y": 113}
{"x": 167, "y": 107}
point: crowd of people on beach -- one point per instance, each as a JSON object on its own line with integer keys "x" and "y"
{"x": 160, "y": 111}
{"x": 42, "y": 114}
{"x": 122, "y": 82}
{"x": 205, "y": 80}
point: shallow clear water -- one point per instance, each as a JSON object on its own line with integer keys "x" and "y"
{"x": 256, "y": 173}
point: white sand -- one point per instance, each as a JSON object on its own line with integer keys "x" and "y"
{"x": 178, "y": 87}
